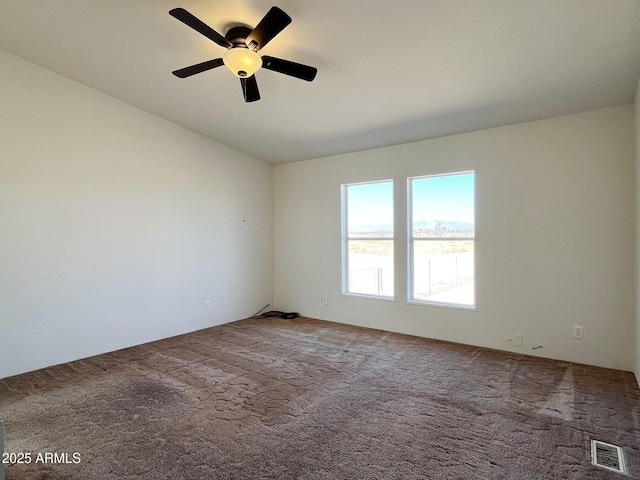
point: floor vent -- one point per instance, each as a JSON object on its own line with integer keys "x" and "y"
{"x": 607, "y": 456}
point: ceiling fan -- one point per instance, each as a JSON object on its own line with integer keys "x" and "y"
{"x": 242, "y": 44}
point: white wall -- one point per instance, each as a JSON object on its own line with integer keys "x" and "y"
{"x": 116, "y": 225}
{"x": 637, "y": 233}
{"x": 555, "y": 241}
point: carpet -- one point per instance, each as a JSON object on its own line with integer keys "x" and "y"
{"x": 309, "y": 399}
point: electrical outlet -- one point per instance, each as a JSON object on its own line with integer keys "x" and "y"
{"x": 577, "y": 332}
{"x": 325, "y": 300}
{"x": 207, "y": 305}
{"x": 515, "y": 340}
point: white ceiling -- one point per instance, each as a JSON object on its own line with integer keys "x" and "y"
{"x": 389, "y": 72}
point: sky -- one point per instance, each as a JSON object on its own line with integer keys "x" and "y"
{"x": 446, "y": 197}
{"x": 370, "y": 204}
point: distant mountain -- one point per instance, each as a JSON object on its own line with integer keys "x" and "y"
{"x": 443, "y": 228}
{"x": 387, "y": 228}
{"x": 421, "y": 228}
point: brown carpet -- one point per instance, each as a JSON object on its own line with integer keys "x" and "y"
{"x": 305, "y": 399}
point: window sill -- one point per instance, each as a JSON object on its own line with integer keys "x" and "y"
{"x": 369, "y": 297}
{"x": 454, "y": 306}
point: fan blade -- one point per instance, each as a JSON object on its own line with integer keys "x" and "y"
{"x": 199, "y": 26}
{"x": 198, "y": 68}
{"x": 250, "y": 89}
{"x": 271, "y": 25}
{"x": 298, "y": 70}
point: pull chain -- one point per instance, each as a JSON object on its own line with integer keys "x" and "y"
{"x": 244, "y": 160}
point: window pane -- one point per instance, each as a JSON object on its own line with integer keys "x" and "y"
{"x": 443, "y": 206}
{"x": 443, "y": 271}
{"x": 370, "y": 210}
{"x": 371, "y": 267}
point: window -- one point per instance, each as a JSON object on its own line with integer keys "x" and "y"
{"x": 367, "y": 239}
{"x": 442, "y": 239}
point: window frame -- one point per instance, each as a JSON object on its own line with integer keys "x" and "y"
{"x": 411, "y": 244}
{"x": 344, "y": 200}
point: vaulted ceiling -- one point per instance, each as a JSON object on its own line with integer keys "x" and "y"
{"x": 389, "y": 72}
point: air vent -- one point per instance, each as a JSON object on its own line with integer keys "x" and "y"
{"x": 607, "y": 456}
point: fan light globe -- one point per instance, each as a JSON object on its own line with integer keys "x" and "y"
{"x": 243, "y": 62}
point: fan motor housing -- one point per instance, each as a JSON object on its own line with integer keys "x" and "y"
{"x": 237, "y": 35}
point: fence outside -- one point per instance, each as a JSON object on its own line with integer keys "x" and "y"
{"x": 367, "y": 281}
{"x": 447, "y": 277}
